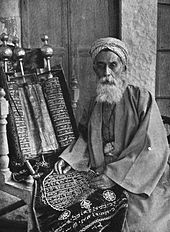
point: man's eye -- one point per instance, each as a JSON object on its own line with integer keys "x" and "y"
{"x": 100, "y": 66}
{"x": 113, "y": 65}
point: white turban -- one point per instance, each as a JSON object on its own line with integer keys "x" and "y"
{"x": 113, "y": 44}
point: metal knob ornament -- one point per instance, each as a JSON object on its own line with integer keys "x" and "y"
{"x": 19, "y": 54}
{"x": 47, "y": 52}
{"x": 5, "y": 51}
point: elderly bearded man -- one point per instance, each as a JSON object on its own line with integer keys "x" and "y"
{"x": 122, "y": 137}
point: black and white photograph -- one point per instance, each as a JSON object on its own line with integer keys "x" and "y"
{"x": 84, "y": 115}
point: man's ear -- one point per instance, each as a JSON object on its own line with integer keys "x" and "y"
{"x": 124, "y": 68}
{"x": 94, "y": 67}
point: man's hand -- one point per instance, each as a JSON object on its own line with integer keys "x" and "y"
{"x": 102, "y": 182}
{"x": 62, "y": 167}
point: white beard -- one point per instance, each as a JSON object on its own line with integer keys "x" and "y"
{"x": 110, "y": 90}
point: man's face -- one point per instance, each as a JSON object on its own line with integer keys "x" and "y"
{"x": 108, "y": 67}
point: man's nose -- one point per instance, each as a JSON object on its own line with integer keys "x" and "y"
{"x": 107, "y": 71}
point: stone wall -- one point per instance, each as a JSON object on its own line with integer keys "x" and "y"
{"x": 139, "y": 32}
